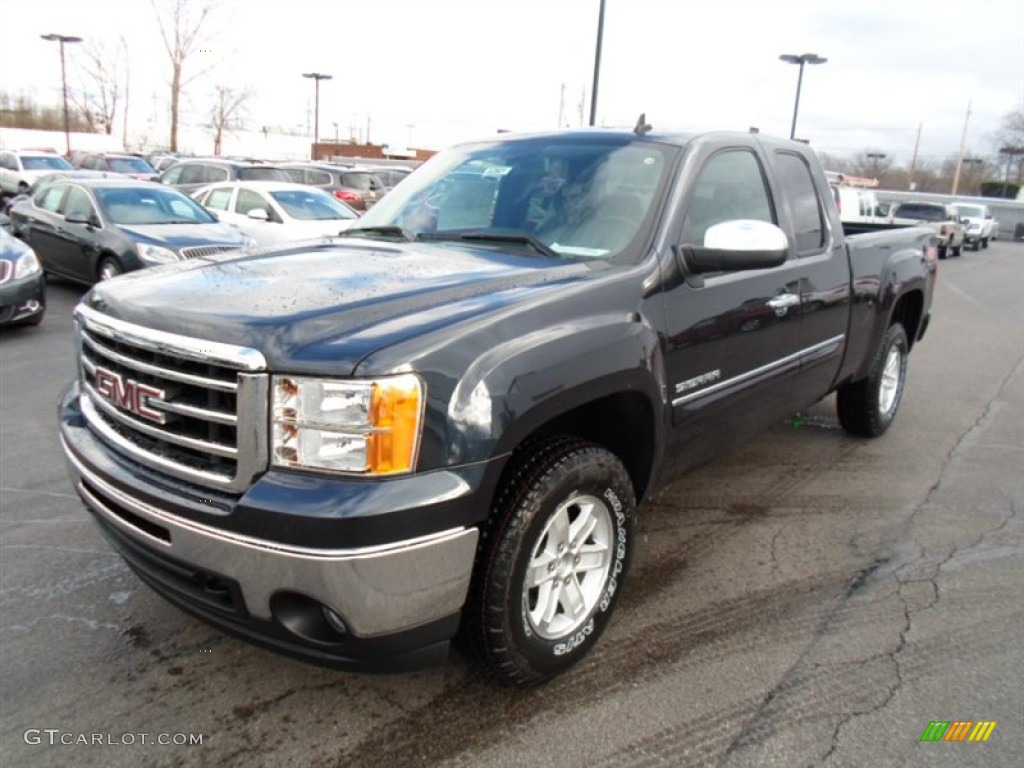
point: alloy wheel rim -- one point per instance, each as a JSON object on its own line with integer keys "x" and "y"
{"x": 890, "y": 385}
{"x": 569, "y": 567}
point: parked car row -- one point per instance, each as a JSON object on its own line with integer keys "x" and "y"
{"x": 107, "y": 213}
{"x": 89, "y": 229}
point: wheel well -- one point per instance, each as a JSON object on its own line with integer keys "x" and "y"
{"x": 622, "y": 423}
{"x": 907, "y": 313}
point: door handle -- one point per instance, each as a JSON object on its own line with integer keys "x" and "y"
{"x": 783, "y": 302}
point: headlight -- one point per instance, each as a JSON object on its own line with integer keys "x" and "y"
{"x": 27, "y": 265}
{"x": 154, "y": 254}
{"x": 369, "y": 426}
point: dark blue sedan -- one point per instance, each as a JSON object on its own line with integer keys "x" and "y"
{"x": 22, "y": 288}
{"x": 88, "y": 230}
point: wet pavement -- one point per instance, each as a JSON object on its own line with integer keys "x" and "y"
{"x": 811, "y": 599}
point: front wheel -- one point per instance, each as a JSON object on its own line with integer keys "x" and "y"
{"x": 552, "y": 560}
{"x": 867, "y": 407}
{"x": 984, "y": 242}
{"x": 109, "y": 267}
{"x": 956, "y": 249}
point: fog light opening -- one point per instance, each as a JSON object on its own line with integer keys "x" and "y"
{"x": 335, "y": 621}
{"x": 308, "y": 618}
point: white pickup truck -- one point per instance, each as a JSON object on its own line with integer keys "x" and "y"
{"x": 981, "y": 224}
{"x": 943, "y": 219}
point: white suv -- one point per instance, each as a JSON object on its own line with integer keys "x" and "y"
{"x": 19, "y": 168}
{"x": 981, "y": 225}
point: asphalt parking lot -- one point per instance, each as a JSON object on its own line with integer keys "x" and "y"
{"x": 810, "y": 599}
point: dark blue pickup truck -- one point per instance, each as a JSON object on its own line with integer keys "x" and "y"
{"x": 441, "y": 425}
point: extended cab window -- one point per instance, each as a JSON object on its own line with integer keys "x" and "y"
{"x": 731, "y": 186}
{"x": 808, "y": 223}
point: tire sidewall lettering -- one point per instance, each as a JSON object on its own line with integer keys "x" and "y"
{"x": 580, "y": 638}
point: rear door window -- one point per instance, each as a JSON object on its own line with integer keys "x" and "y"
{"x": 805, "y": 208}
{"x": 49, "y": 199}
{"x": 218, "y": 199}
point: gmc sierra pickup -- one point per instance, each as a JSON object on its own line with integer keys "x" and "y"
{"x": 441, "y": 424}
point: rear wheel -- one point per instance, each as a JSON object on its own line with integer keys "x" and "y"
{"x": 956, "y": 249}
{"x": 984, "y": 242}
{"x": 552, "y": 560}
{"x": 867, "y": 407}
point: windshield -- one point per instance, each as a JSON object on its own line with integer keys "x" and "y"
{"x": 149, "y": 205}
{"x": 130, "y": 165}
{"x": 312, "y": 205}
{"x": 45, "y": 163}
{"x": 922, "y": 212}
{"x": 973, "y": 211}
{"x": 582, "y": 197}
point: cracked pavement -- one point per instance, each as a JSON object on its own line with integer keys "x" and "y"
{"x": 808, "y": 600}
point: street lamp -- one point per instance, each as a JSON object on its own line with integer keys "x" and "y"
{"x": 875, "y": 158}
{"x": 1010, "y": 153}
{"x": 803, "y": 58}
{"x": 64, "y": 80}
{"x": 597, "y": 64}
{"x": 317, "y": 77}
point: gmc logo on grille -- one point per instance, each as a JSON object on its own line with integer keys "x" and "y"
{"x": 129, "y": 394}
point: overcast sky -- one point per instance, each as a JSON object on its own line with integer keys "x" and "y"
{"x": 442, "y": 71}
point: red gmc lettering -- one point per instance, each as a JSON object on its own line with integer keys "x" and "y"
{"x": 129, "y": 394}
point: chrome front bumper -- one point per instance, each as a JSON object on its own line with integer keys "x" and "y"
{"x": 375, "y": 590}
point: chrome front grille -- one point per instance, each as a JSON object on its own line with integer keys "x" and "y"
{"x": 190, "y": 408}
{"x": 198, "y": 251}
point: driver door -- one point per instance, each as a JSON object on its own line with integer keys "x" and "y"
{"x": 733, "y": 338}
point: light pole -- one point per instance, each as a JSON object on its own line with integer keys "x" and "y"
{"x": 64, "y": 80}
{"x": 1010, "y": 153}
{"x": 803, "y": 58}
{"x": 875, "y": 158}
{"x": 317, "y": 77}
{"x": 597, "y": 65}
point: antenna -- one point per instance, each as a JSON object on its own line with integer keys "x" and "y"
{"x": 642, "y": 126}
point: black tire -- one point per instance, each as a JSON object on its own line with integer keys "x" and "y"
{"x": 525, "y": 635}
{"x": 867, "y": 407}
{"x": 107, "y": 268}
{"x": 984, "y": 242}
{"x": 942, "y": 251}
{"x": 956, "y": 249}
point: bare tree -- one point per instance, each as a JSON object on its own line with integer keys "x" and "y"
{"x": 101, "y": 90}
{"x": 181, "y": 24}
{"x": 228, "y": 106}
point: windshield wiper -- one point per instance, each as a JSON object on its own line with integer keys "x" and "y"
{"x": 487, "y": 236}
{"x": 396, "y": 232}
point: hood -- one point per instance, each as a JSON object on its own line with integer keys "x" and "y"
{"x": 178, "y": 236}
{"x": 322, "y": 309}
